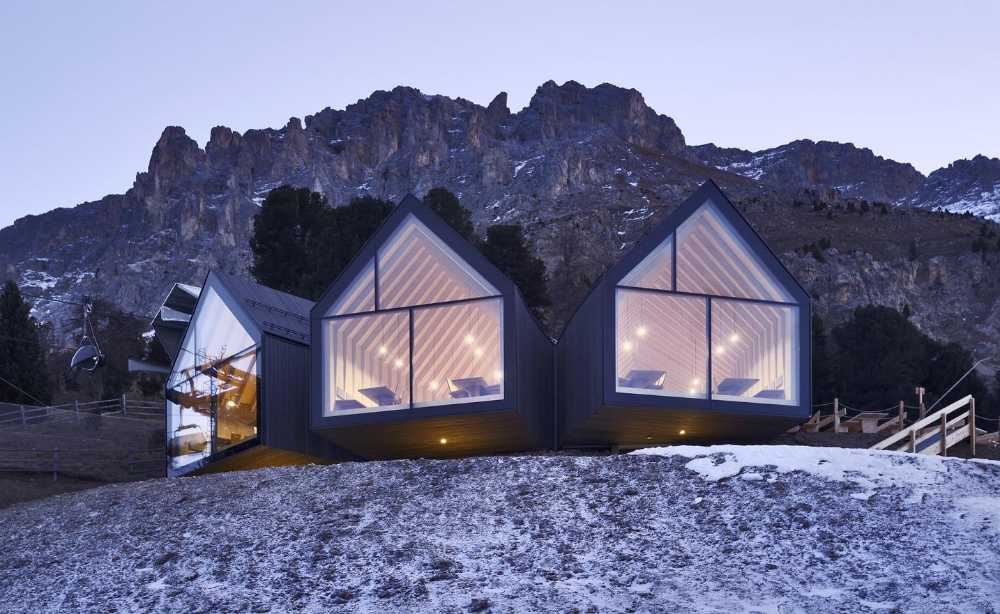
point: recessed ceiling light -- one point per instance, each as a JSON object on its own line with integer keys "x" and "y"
{"x": 683, "y": 432}
{"x": 733, "y": 338}
{"x": 720, "y": 350}
{"x": 433, "y": 385}
{"x": 398, "y": 363}
{"x": 383, "y": 350}
{"x": 478, "y": 352}
{"x": 627, "y": 346}
{"x": 443, "y": 440}
{"x": 641, "y": 331}
{"x": 469, "y": 340}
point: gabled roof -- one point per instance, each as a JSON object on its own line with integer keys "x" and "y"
{"x": 708, "y": 191}
{"x": 411, "y": 205}
{"x": 275, "y": 312}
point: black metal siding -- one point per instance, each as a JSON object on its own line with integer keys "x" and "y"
{"x": 580, "y": 365}
{"x": 534, "y": 371}
{"x": 285, "y": 400}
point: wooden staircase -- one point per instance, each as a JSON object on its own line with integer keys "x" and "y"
{"x": 936, "y": 432}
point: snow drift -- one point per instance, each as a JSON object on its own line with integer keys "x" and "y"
{"x": 681, "y": 529}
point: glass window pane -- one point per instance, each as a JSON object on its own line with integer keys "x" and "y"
{"x": 713, "y": 259}
{"x": 661, "y": 344}
{"x": 359, "y": 296}
{"x": 754, "y": 352}
{"x": 367, "y": 366}
{"x": 214, "y": 334}
{"x": 212, "y": 410}
{"x": 416, "y": 268}
{"x": 655, "y": 269}
{"x": 458, "y": 353}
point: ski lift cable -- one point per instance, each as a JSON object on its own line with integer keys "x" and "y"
{"x": 130, "y": 314}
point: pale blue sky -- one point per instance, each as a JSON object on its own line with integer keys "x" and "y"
{"x": 89, "y": 86}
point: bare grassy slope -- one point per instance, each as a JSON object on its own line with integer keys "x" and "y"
{"x": 726, "y": 529}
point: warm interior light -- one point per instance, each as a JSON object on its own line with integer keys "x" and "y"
{"x": 692, "y": 391}
{"x": 230, "y": 403}
{"x": 695, "y": 381}
{"x": 720, "y": 350}
{"x": 478, "y": 352}
{"x": 433, "y": 385}
{"x": 469, "y": 339}
{"x": 641, "y": 331}
{"x": 398, "y": 363}
{"x": 627, "y": 346}
{"x": 382, "y": 350}
{"x": 733, "y": 338}
{"x": 444, "y": 441}
{"x": 683, "y": 432}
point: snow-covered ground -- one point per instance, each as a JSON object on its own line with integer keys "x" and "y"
{"x": 683, "y": 529}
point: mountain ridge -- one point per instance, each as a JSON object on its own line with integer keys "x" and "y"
{"x": 585, "y": 170}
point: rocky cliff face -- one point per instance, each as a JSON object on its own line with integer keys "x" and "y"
{"x": 585, "y": 170}
{"x": 853, "y": 172}
{"x": 965, "y": 186}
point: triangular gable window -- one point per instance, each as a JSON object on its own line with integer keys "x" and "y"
{"x": 654, "y": 271}
{"x": 416, "y": 268}
{"x": 713, "y": 259}
{"x": 359, "y": 296}
{"x": 215, "y": 333}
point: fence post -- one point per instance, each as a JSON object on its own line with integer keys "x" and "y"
{"x": 24, "y": 421}
{"x": 920, "y": 403}
{"x": 944, "y": 434}
{"x": 902, "y": 415}
{"x": 972, "y": 426}
{"x": 836, "y": 415}
{"x": 123, "y": 404}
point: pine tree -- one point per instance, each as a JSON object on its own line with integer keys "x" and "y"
{"x": 300, "y": 244}
{"x": 22, "y": 356}
{"x": 446, "y": 204}
{"x": 508, "y": 250}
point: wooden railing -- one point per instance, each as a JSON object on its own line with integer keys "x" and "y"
{"x": 935, "y": 433}
{"x": 22, "y": 415}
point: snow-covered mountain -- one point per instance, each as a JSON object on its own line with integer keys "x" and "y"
{"x": 684, "y": 529}
{"x": 965, "y": 186}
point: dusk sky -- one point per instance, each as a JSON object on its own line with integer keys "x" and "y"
{"x": 89, "y": 86}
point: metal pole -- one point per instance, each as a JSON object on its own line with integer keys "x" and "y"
{"x": 836, "y": 415}
{"x": 902, "y": 415}
{"x": 123, "y": 404}
{"x": 24, "y": 421}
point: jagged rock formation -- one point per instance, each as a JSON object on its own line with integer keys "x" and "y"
{"x": 586, "y": 170}
{"x": 965, "y": 186}
{"x": 854, "y": 172}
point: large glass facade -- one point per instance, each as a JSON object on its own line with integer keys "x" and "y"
{"x": 416, "y": 268}
{"x": 754, "y": 351}
{"x": 212, "y": 392}
{"x": 418, "y": 287}
{"x": 713, "y": 259}
{"x": 370, "y": 364}
{"x": 458, "y": 352}
{"x": 724, "y": 329}
{"x": 662, "y": 345}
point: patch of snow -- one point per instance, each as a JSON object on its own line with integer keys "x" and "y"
{"x": 520, "y": 164}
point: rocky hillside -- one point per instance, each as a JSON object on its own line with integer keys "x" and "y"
{"x": 684, "y": 529}
{"x": 851, "y": 171}
{"x": 965, "y": 186}
{"x": 586, "y": 170}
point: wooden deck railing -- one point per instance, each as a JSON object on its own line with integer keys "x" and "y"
{"x": 935, "y": 433}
